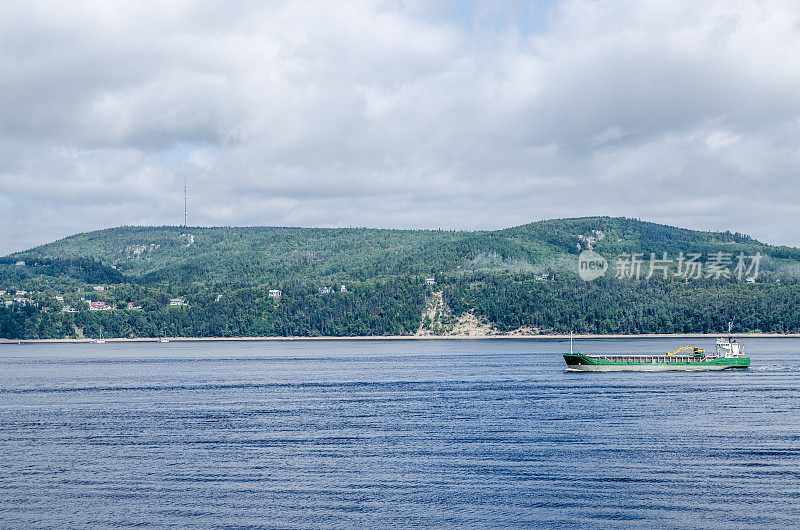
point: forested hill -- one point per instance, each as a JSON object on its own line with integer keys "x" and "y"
{"x": 259, "y": 255}
{"x": 155, "y": 281}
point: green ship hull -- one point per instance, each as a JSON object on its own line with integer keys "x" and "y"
{"x": 650, "y": 363}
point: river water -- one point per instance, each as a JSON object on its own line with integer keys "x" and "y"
{"x": 403, "y": 433}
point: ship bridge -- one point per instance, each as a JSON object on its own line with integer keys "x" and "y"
{"x": 729, "y": 348}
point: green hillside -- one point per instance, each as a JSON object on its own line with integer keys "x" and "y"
{"x": 256, "y": 255}
{"x": 224, "y": 275}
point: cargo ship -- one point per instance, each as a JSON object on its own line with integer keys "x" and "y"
{"x": 729, "y": 354}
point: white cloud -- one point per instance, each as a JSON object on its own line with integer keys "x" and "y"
{"x": 721, "y": 139}
{"x": 398, "y": 114}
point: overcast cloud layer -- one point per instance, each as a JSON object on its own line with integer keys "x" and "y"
{"x": 398, "y": 114}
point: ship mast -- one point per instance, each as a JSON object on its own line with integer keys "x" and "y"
{"x": 570, "y": 343}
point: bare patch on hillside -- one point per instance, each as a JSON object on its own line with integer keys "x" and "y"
{"x": 469, "y": 325}
{"x": 435, "y": 317}
{"x": 137, "y": 251}
{"x": 591, "y": 239}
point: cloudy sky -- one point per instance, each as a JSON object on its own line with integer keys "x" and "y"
{"x": 413, "y": 114}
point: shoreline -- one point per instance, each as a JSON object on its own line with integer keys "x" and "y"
{"x": 409, "y": 337}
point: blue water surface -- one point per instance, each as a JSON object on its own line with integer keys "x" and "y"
{"x": 406, "y": 433}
